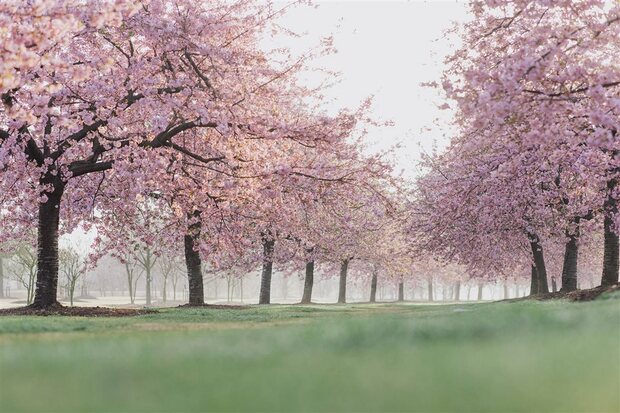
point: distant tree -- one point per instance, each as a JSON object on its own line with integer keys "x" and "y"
{"x": 73, "y": 267}
{"x": 23, "y": 268}
{"x": 169, "y": 267}
{"x": 133, "y": 275}
{"x": 147, "y": 261}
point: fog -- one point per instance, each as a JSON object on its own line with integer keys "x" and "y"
{"x": 107, "y": 285}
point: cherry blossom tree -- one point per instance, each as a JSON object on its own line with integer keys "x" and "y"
{"x": 147, "y": 92}
{"x": 534, "y": 162}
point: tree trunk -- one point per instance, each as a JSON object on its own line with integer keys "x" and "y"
{"x": 506, "y": 294}
{"x": 534, "y": 281}
{"x": 129, "y": 282}
{"x": 480, "y": 291}
{"x": 430, "y": 289}
{"x": 610, "y": 252}
{"x": 164, "y": 292}
{"x": 373, "y": 286}
{"x": 47, "y": 247}
{"x": 193, "y": 262}
{"x": 569, "y": 267}
{"x": 71, "y": 292}
{"x": 457, "y": 291}
{"x": 539, "y": 261}
{"x": 308, "y": 283}
{"x": 401, "y": 291}
{"x": 342, "y": 290}
{"x": 265, "y": 282}
{"x": 148, "y": 284}
{"x": 1, "y": 278}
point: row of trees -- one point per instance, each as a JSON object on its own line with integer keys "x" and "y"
{"x": 166, "y": 128}
{"x": 529, "y": 185}
{"x": 126, "y": 283}
{"x": 163, "y": 126}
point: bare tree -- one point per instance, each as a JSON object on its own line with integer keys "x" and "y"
{"x": 133, "y": 275}
{"x": 147, "y": 260}
{"x": 23, "y": 268}
{"x": 170, "y": 269}
{"x": 73, "y": 267}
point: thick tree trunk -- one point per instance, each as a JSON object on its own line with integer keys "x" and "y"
{"x": 401, "y": 291}
{"x": 265, "y": 282}
{"x": 308, "y": 283}
{"x": 480, "y": 291}
{"x": 129, "y": 282}
{"x": 534, "y": 281}
{"x": 373, "y": 286}
{"x": 430, "y": 289}
{"x": 194, "y": 263}
{"x": 539, "y": 261}
{"x": 342, "y": 288}
{"x": 610, "y": 251}
{"x": 47, "y": 248}
{"x": 506, "y": 294}
{"x": 457, "y": 291}
{"x": 569, "y": 267}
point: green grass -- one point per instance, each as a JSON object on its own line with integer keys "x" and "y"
{"x": 501, "y": 357}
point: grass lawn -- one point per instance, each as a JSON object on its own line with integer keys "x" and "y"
{"x": 497, "y": 357}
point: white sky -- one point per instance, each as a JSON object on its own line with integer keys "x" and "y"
{"x": 386, "y": 49}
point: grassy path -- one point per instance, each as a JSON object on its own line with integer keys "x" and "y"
{"x": 524, "y": 356}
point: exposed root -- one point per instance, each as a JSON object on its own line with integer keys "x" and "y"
{"x": 580, "y": 295}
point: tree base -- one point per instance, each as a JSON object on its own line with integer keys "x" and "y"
{"x": 577, "y": 295}
{"x": 215, "y": 306}
{"x": 58, "y": 309}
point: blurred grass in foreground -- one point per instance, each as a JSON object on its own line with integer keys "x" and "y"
{"x": 517, "y": 357}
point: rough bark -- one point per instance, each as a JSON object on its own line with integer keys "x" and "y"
{"x": 610, "y": 251}
{"x": 569, "y": 267}
{"x": 308, "y": 283}
{"x": 194, "y": 263}
{"x": 401, "y": 291}
{"x": 342, "y": 288}
{"x": 373, "y": 286}
{"x": 265, "y": 282}
{"x": 539, "y": 261}
{"x": 47, "y": 246}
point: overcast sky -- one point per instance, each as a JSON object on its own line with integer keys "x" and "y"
{"x": 385, "y": 48}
